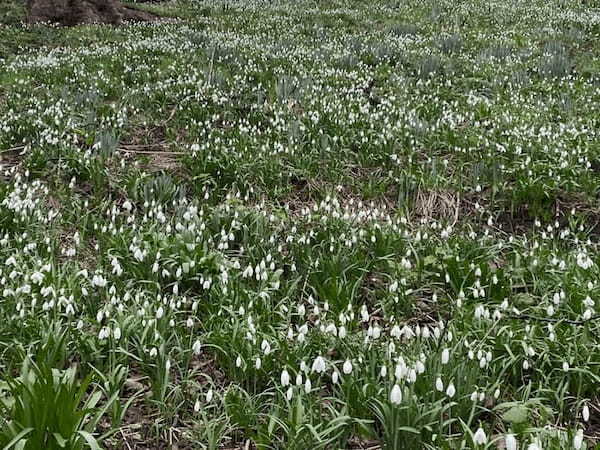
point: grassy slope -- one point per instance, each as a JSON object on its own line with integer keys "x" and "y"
{"x": 291, "y": 180}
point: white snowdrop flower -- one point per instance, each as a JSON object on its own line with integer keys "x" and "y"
{"x": 578, "y": 440}
{"x": 396, "y": 395}
{"x": 117, "y": 333}
{"x": 197, "y": 406}
{"x": 451, "y": 390}
{"x": 480, "y": 437}
{"x": 364, "y": 313}
{"x": 257, "y": 363}
{"x": 238, "y": 361}
{"x": 37, "y": 277}
{"x": 439, "y": 385}
{"x": 525, "y": 365}
{"x": 265, "y": 347}
{"x": 196, "y": 347}
{"x": 412, "y": 375}
{"x": 103, "y": 334}
{"x": 342, "y": 332}
{"x": 289, "y": 393}
{"x": 318, "y": 365}
{"x": 481, "y": 396}
{"x": 138, "y": 254}
{"x": 420, "y": 367}
{"x": 298, "y": 378}
{"x": 585, "y": 413}
{"x": 383, "y": 371}
{"x": 474, "y": 396}
{"x": 445, "y": 356}
{"x": 285, "y": 378}
{"x": 565, "y": 366}
{"x": 99, "y": 281}
{"x": 335, "y": 377}
{"x": 301, "y": 310}
{"x": 307, "y": 385}
{"x": 347, "y": 367}
{"x": 510, "y": 442}
{"x": 209, "y": 395}
{"x": 407, "y": 332}
{"x": 160, "y": 312}
{"x": 401, "y": 369}
{"x": 376, "y": 333}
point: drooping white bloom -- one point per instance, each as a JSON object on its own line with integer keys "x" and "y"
{"x": 451, "y": 390}
{"x": 335, "y": 377}
{"x": 439, "y": 385}
{"x": 347, "y": 368}
{"x": 445, "y": 356}
{"x": 307, "y": 385}
{"x": 285, "y": 378}
{"x": 196, "y": 347}
{"x": 318, "y": 365}
{"x": 510, "y": 442}
{"x": 480, "y": 437}
{"x": 396, "y": 395}
{"x": 209, "y": 395}
{"x": 585, "y": 413}
{"x": 578, "y": 440}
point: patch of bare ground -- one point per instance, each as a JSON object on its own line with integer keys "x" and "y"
{"x": 142, "y": 429}
{"x": 152, "y": 151}
{"x": 76, "y": 12}
{"x": 10, "y": 158}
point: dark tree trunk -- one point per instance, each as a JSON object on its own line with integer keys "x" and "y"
{"x": 74, "y": 12}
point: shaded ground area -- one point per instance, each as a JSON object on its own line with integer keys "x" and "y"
{"x": 74, "y": 12}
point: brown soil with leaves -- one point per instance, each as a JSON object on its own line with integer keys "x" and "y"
{"x": 75, "y": 12}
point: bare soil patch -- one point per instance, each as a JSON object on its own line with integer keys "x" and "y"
{"x": 76, "y": 12}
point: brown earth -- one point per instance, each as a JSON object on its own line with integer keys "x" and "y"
{"x": 75, "y": 12}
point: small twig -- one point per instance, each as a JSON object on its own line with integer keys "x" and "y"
{"x": 150, "y": 152}
{"x": 550, "y": 320}
{"x": 158, "y": 144}
{"x": 125, "y": 439}
{"x": 13, "y": 149}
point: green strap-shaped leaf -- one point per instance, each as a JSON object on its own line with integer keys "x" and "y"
{"x": 91, "y": 440}
{"x": 18, "y": 438}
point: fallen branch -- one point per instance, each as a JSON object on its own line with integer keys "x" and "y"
{"x": 13, "y": 149}
{"x": 150, "y": 152}
{"x": 550, "y": 320}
